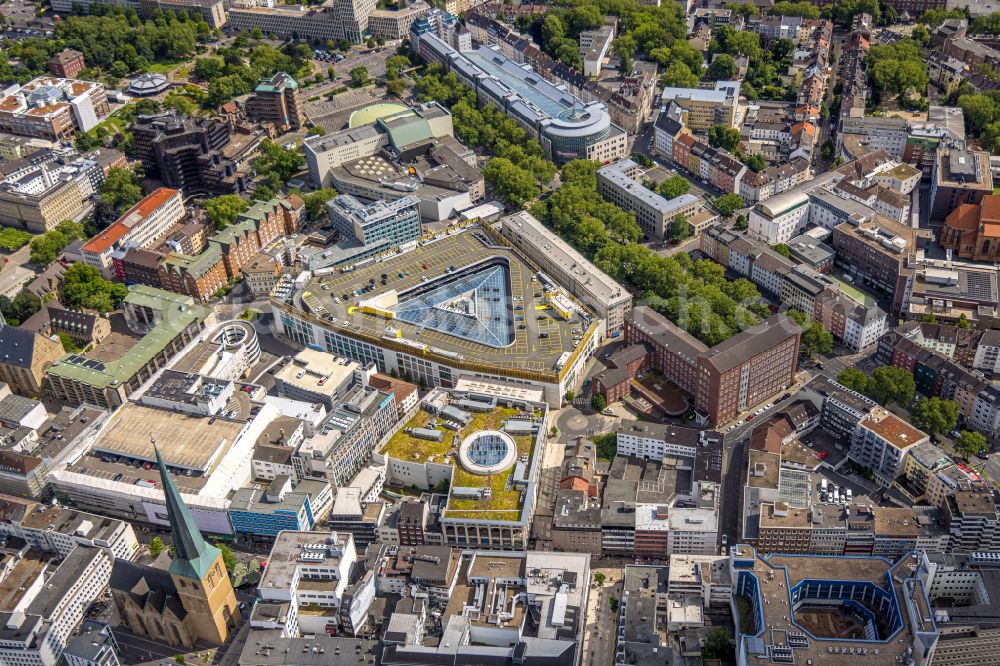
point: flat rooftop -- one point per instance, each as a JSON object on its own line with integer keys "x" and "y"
{"x": 540, "y": 336}
{"x": 132, "y": 429}
{"x": 289, "y": 546}
{"x": 892, "y": 429}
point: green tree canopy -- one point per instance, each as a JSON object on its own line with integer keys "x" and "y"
{"x": 316, "y": 202}
{"x": 120, "y": 189}
{"x": 674, "y": 186}
{"x": 13, "y": 239}
{"x": 85, "y": 288}
{"x": 679, "y": 229}
{"x": 970, "y": 443}
{"x": 223, "y": 210}
{"x": 18, "y": 309}
{"x": 724, "y": 137}
{"x": 817, "y": 340}
{"x": 853, "y": 379}
{"x": 727, "y": 204}
{"x": 723, "y": 67}
{"x": 889, "y": 384}
{"x": 934, "y": 415}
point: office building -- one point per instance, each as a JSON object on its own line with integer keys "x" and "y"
{"x": 315, "y": 377}
{"x": 570, "y": 270}
{"x": 702, "y": 108}
{"x": 259, "y": 515}
{"x": 535, "y": 103}
{"x": 655, "y": 441}
{"x": 196, "y": 155}
{"x": 41, "y": 190}
{"x": 727, "y": 379}
{"x": 396, "y": 23}
{"x": 881, "y": 441}
{"x": 278, "y": 101}
{"x": 331, "y": 20}
{"x": 617, "y": 183}
{"x": 784, "y": 592}
{"x": 170, "y": 322}
{"x": 394, "y": 222}
{"x": 93, "y": 645}
{"x": 876, "y": 255}
{"x": 51, "y": 108}
{"x": 141, "y": 226}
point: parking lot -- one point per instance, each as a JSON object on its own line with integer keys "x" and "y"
{"x": 541, "y": 336}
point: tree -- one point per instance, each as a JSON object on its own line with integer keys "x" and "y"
{"x": 598, "y": 402}
{"x": 679, "y": 75}
{"x": 316, "y": 202}
{"x": 727, "y": 138}
{"x": 441, "y": 487}
{"x": 512, "y": 183}
{"x": 316, "y": 130}
{"x": 13, "y": 239}
{"x": 969, "y": 443}
{"x": 180, "y": 103}
{"x": 599, "y": 578}
{"x": 120, "y": 189}
{"x": 799, "y": 317}
{"x": 889, "y": 384}
{"x": 728, "y": 204}
{"x": 156, "y": 546}
{"x": 228, "y": 557}
{"x": 963, "y": 322}
{"x": 613, "y": 604}
{"x": 853, "y": 379}
{"x": 223, "y": 210}
{"x": 570, "y": 395}
{"x": 395, "y": 87}
{"x": 718, "y": 645}
{"x": 934, "y": 415}
{"x": 817, "y": 340}
{"x": 783, "y": 250}
{"x": 723, "y": 68}
{"x": 674, "y": 186}
{"x": 359, "y": 76}
{"x": 755, "y": 162}
{"x": 679, "y": 229}
{"x": 18, "y": 309}
{"x": 85, "y": 288}
{"x": 278, "y": 165}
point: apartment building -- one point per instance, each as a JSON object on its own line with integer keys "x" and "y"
{"x": 725, "y": 380}
{"x": 702, "y": 108}
{"x": 278, "y": 101}
{"x": 959, "y": 176}
{"x": 881, "y": 441}
{"x": 51, "y": 602}
{"x": 972, "y": 519}
{"x": 876, "y": 254}
{"x": 654, "y": 441}
{"x": 52, "y": 108}
{"x": 141, "y": 226}
{"x": 618, "y": 184}
{"x": 595, "y": 288}
{"x": 60, "y": 530}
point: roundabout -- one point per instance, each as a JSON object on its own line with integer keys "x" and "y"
{"x": 487, "y": 452}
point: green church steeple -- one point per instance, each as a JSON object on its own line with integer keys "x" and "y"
{"x": 193, "y": 556}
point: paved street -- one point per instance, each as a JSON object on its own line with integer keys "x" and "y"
{"x": 601, "y": 627}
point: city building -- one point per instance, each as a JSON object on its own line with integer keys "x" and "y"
{"x": 385, "y": 224}
{"x": 439, "y": 346}
{"x": 970, "y": 230}
{"x": 553, "y": 584}
{"x": 876, "y": 255}
{"x": 331, "y": 20}
{"x": 196, "y": 155}
{"x": 315, "y": 377}
{"x": 192, "y": 600}
{"x": 42, "y": 189}
{"x": 396, "y": 23}
{"x": 52, "y": 108}
{"x": 213, "y": 11}
{"x": 702, "y": 108}
{"x": 60, "y": 530}
{"x": 66, "y": 64}
{"x": 618, "y": 184}
{"x": 141, "y": 226}
{"x": 570, "y": 270}
{"x": 49, "y": 600}
{"x": 959, "y": 177}
{"x": 93, "y": 645}
{"x": 727, "y": 379}
{"x": 278, "y": 101}
{"x": 165, "y": 321}
{"x": 259, "y": 515}
{"x": 655, "y": 441}
{"x": 783, "y": 594}
{"x": 535, "y": 103}
{"x": 27, "y": 359}
{"x": 881, "y": 441}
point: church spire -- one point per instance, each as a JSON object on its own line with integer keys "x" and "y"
{"x": 193, "y": 557}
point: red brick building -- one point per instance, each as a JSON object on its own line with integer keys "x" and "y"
{"x": 727, "y": 379}
{"x": 615, "y": 382}
{"x": 67, "y": 64}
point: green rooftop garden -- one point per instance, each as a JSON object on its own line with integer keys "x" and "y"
{"x": 504, "y": 504}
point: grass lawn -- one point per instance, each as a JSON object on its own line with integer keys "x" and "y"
{"x": 854, "y": 292}
{"x": 164, "y": 67}
{"x": 404, "y": 446}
